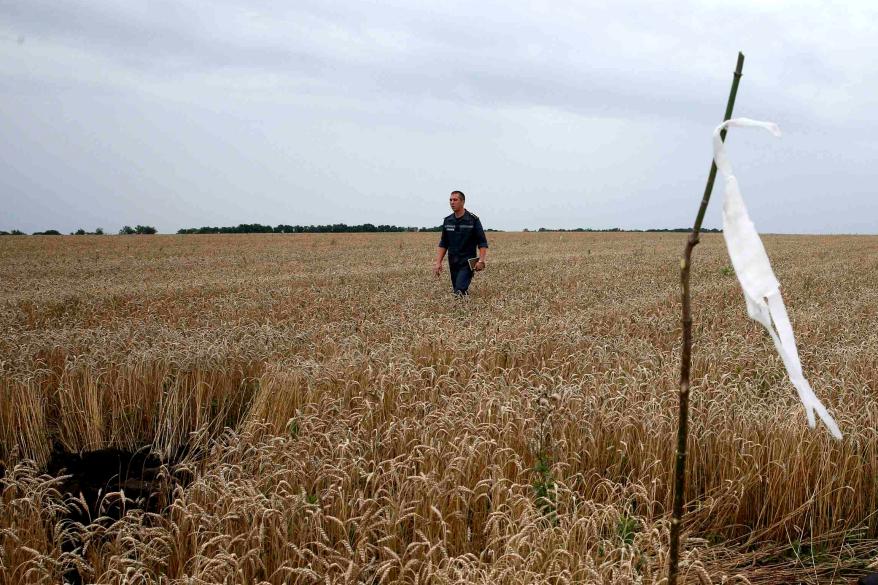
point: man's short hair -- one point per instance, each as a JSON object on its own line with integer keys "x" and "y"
{"x": 462, "y": 196}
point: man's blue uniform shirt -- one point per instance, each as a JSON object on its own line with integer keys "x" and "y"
{"x": 461, "y": 236}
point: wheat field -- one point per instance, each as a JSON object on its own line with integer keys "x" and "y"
{"x": 341, "y": 418}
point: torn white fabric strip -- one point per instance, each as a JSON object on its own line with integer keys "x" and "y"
{"x": 760, "y": 285}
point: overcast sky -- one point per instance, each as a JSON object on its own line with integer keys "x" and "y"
{"x": 555, "y": 114}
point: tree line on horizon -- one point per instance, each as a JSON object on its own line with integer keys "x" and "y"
{"x": 256, "y": 228}
{"x": 124, "y": 230}
{"x": 615, "y": 229}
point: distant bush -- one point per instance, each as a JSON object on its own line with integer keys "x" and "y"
{"x": 48, "y": 233}
{"x": 140, "y": 229}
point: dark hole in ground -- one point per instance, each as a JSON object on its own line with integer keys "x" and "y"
{"x": 95, "y": 481}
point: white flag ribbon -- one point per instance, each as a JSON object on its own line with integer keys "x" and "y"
{"x": 761, "y": 287}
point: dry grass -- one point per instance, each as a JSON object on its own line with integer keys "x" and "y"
{"x": 349, "y": 421}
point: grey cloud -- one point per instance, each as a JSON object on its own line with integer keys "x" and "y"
{"x": 592, "y": 59}
{"x": 162, "y": 41}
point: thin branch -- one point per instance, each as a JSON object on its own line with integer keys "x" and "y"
{"x": 686, "y": 354}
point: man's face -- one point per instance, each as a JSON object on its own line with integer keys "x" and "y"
{"x": 456, "y": 202}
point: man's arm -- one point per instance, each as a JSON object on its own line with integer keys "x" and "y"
{"x": 483, "y": 254}
{"x": 437, "y": 266}
{"x": 440, "y": 252}
{"x": 482, "y": 243}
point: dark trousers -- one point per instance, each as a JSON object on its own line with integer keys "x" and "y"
{"x": 461, "y": 276}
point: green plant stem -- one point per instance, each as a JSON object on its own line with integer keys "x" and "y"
{"x": 686, "y": 353}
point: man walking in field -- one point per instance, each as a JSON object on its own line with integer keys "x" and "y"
{"x": 462, "y": 235}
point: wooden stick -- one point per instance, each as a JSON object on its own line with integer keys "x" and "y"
{"x": 686, "y": 354}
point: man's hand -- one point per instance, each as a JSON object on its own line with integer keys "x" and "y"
{"x": 437, "y": 268}
{"x": 480, "y": 265}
